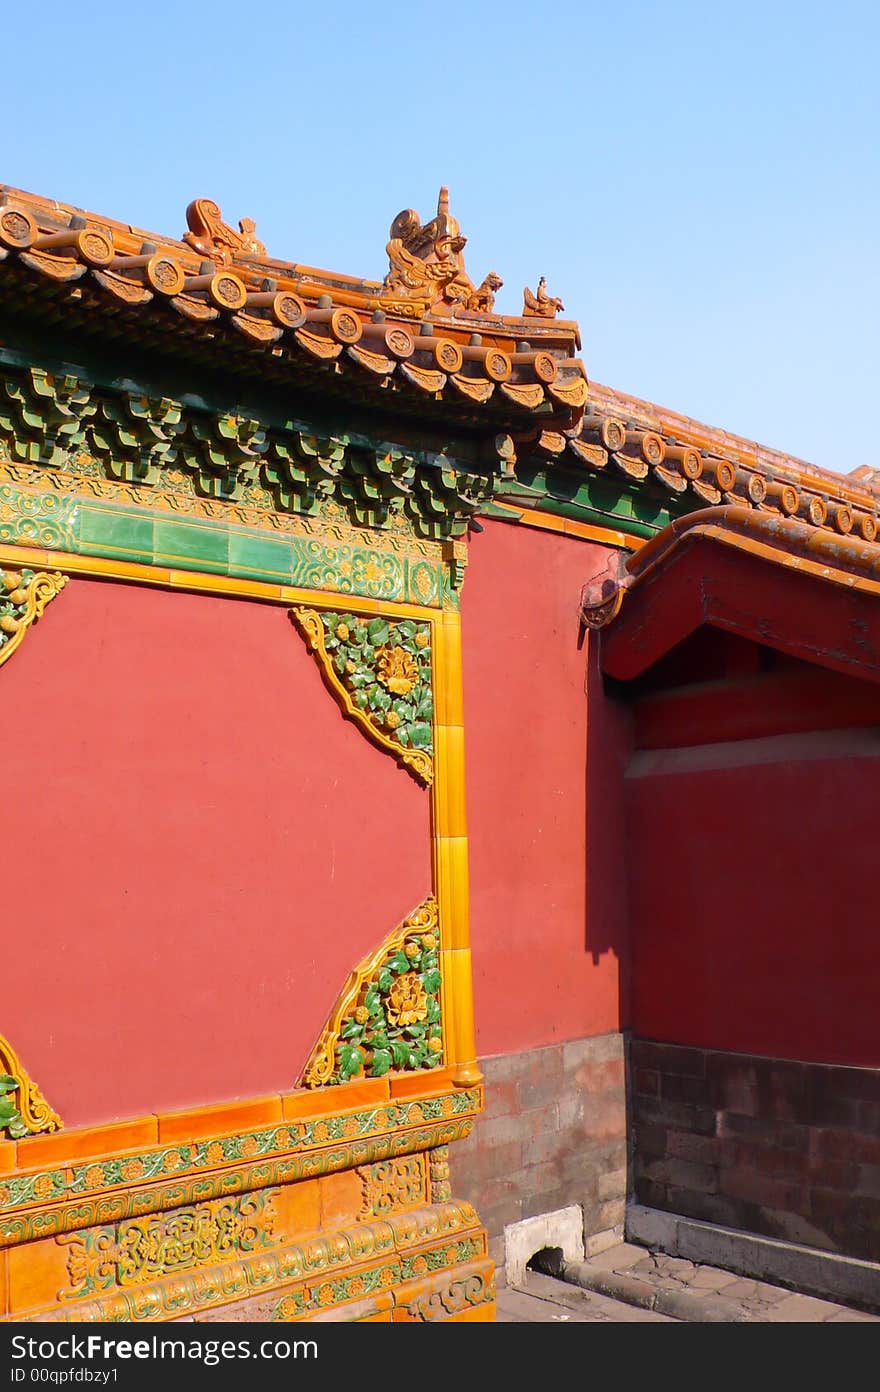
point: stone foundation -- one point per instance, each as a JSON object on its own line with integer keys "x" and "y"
{"x": 785, "y": 1149}
{"x": 553, "y": 1134}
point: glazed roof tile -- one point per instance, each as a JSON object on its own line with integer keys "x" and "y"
{"x": 426, "y": 339}
{"x": 426, "y": 333}
{"x": 694, "y": 465}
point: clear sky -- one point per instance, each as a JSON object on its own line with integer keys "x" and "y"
{"x": 697, "y": 181}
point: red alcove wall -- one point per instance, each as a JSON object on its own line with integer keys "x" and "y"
{"x": 753, "y": 888}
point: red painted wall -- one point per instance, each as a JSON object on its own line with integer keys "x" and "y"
{"x": 548, "y": 894}
{"x": 197, "y": 850}
{"x": 753, "y": 889}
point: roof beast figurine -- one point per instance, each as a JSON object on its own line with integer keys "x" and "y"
{"x": 541, "y": 305}
{"x": 427, "y": 264}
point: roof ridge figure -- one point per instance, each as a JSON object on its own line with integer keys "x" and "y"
{"x": 426, "y": 262}
{"x": 214, "y": 239}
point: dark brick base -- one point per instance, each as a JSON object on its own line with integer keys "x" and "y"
{"x": 785, "y": 1149}
{"x": 553, "y": 1134}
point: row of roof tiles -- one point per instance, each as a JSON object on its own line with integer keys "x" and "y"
{"x": 428, "y": 329}
{"x": 445, "y": 351}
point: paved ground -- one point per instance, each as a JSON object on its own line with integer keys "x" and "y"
{"x": 629, "y": 1283}
{"x": 544, "y": 1300}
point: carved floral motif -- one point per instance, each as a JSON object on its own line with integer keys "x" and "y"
{"x": 391, "y": 1185}
{"x": 452, "y": 1298}
{"x": 24, "y": 1110}
{"x": 380, "y": 670}
{"x": 142, "y": 1249}
{"x": 23, "y": 599}
{"x": 438, "y": 1173}
{"x": 389, "y": 1017}
{"x": 374, "y": 1281}
{"x": 109, "y": 1190}
{"x": 319, "y": 1265}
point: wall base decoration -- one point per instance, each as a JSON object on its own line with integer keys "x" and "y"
{"x": 23, "y": 598}
{"x": 24, "y": 1110}
{"x": 292, "y": 1244}
{"x": 471, "y": 1296}
{"x": 393, "y": 1184}
{"x": 139, "y": 1250}
{"x": 317, "y": 1271}
{"x": 389, "y": 1016}
{"x": 379, "y": 670}
{"x": 438, "y": 1173}
{"x": 42, "y": 1202}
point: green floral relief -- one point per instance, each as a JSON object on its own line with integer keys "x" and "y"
{"x": 469, "y": 1249}
{"x": 12, "y": 1122}
{"x": 380, "y": 672}
{"x": 397, "y": 1023}
{"x": 386, "y": 666}
{"x": 14, "y": 589}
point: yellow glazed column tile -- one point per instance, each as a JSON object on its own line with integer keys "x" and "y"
{"x": 449, "y": 788}
{"x": 447, "y": 684}
{"x": 450, "y": 851}
{"x": 457, "y": 975}
{"x": 451, "y": 880}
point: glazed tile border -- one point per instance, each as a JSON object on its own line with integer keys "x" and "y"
{"x": 293, "y": 1139}
{"x": 87, "y": 527}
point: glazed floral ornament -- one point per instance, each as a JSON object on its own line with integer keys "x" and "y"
{"x": 23, "y": 598}
{"x": 380, "y": 672}
{"x": 389, "y": 1019}
{"x": 24, "y": 1110}
{"x": 397, "y": 670}
{"x": 407, "y": 1002}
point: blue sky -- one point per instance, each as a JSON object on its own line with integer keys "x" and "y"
{"x": 699, "y": 183}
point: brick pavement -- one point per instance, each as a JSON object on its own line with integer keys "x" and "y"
{"x": 545, "y": 1300}
{"x": 630, "y": 1283}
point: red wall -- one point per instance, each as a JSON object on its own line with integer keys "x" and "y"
{"x": 548, "y": 908}
{"x": 198, "y": 848}
{"x": 753, "y": 889}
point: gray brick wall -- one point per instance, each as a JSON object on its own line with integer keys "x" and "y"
{"x": 771, "y": 1146}
{"x": 553, "y": 1134}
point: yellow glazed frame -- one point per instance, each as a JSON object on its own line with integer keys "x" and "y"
{"x": 448, "y": 823}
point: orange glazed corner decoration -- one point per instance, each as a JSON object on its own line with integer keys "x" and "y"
{"x": 541, "y": 305}
{"x": 213, "y": 238}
